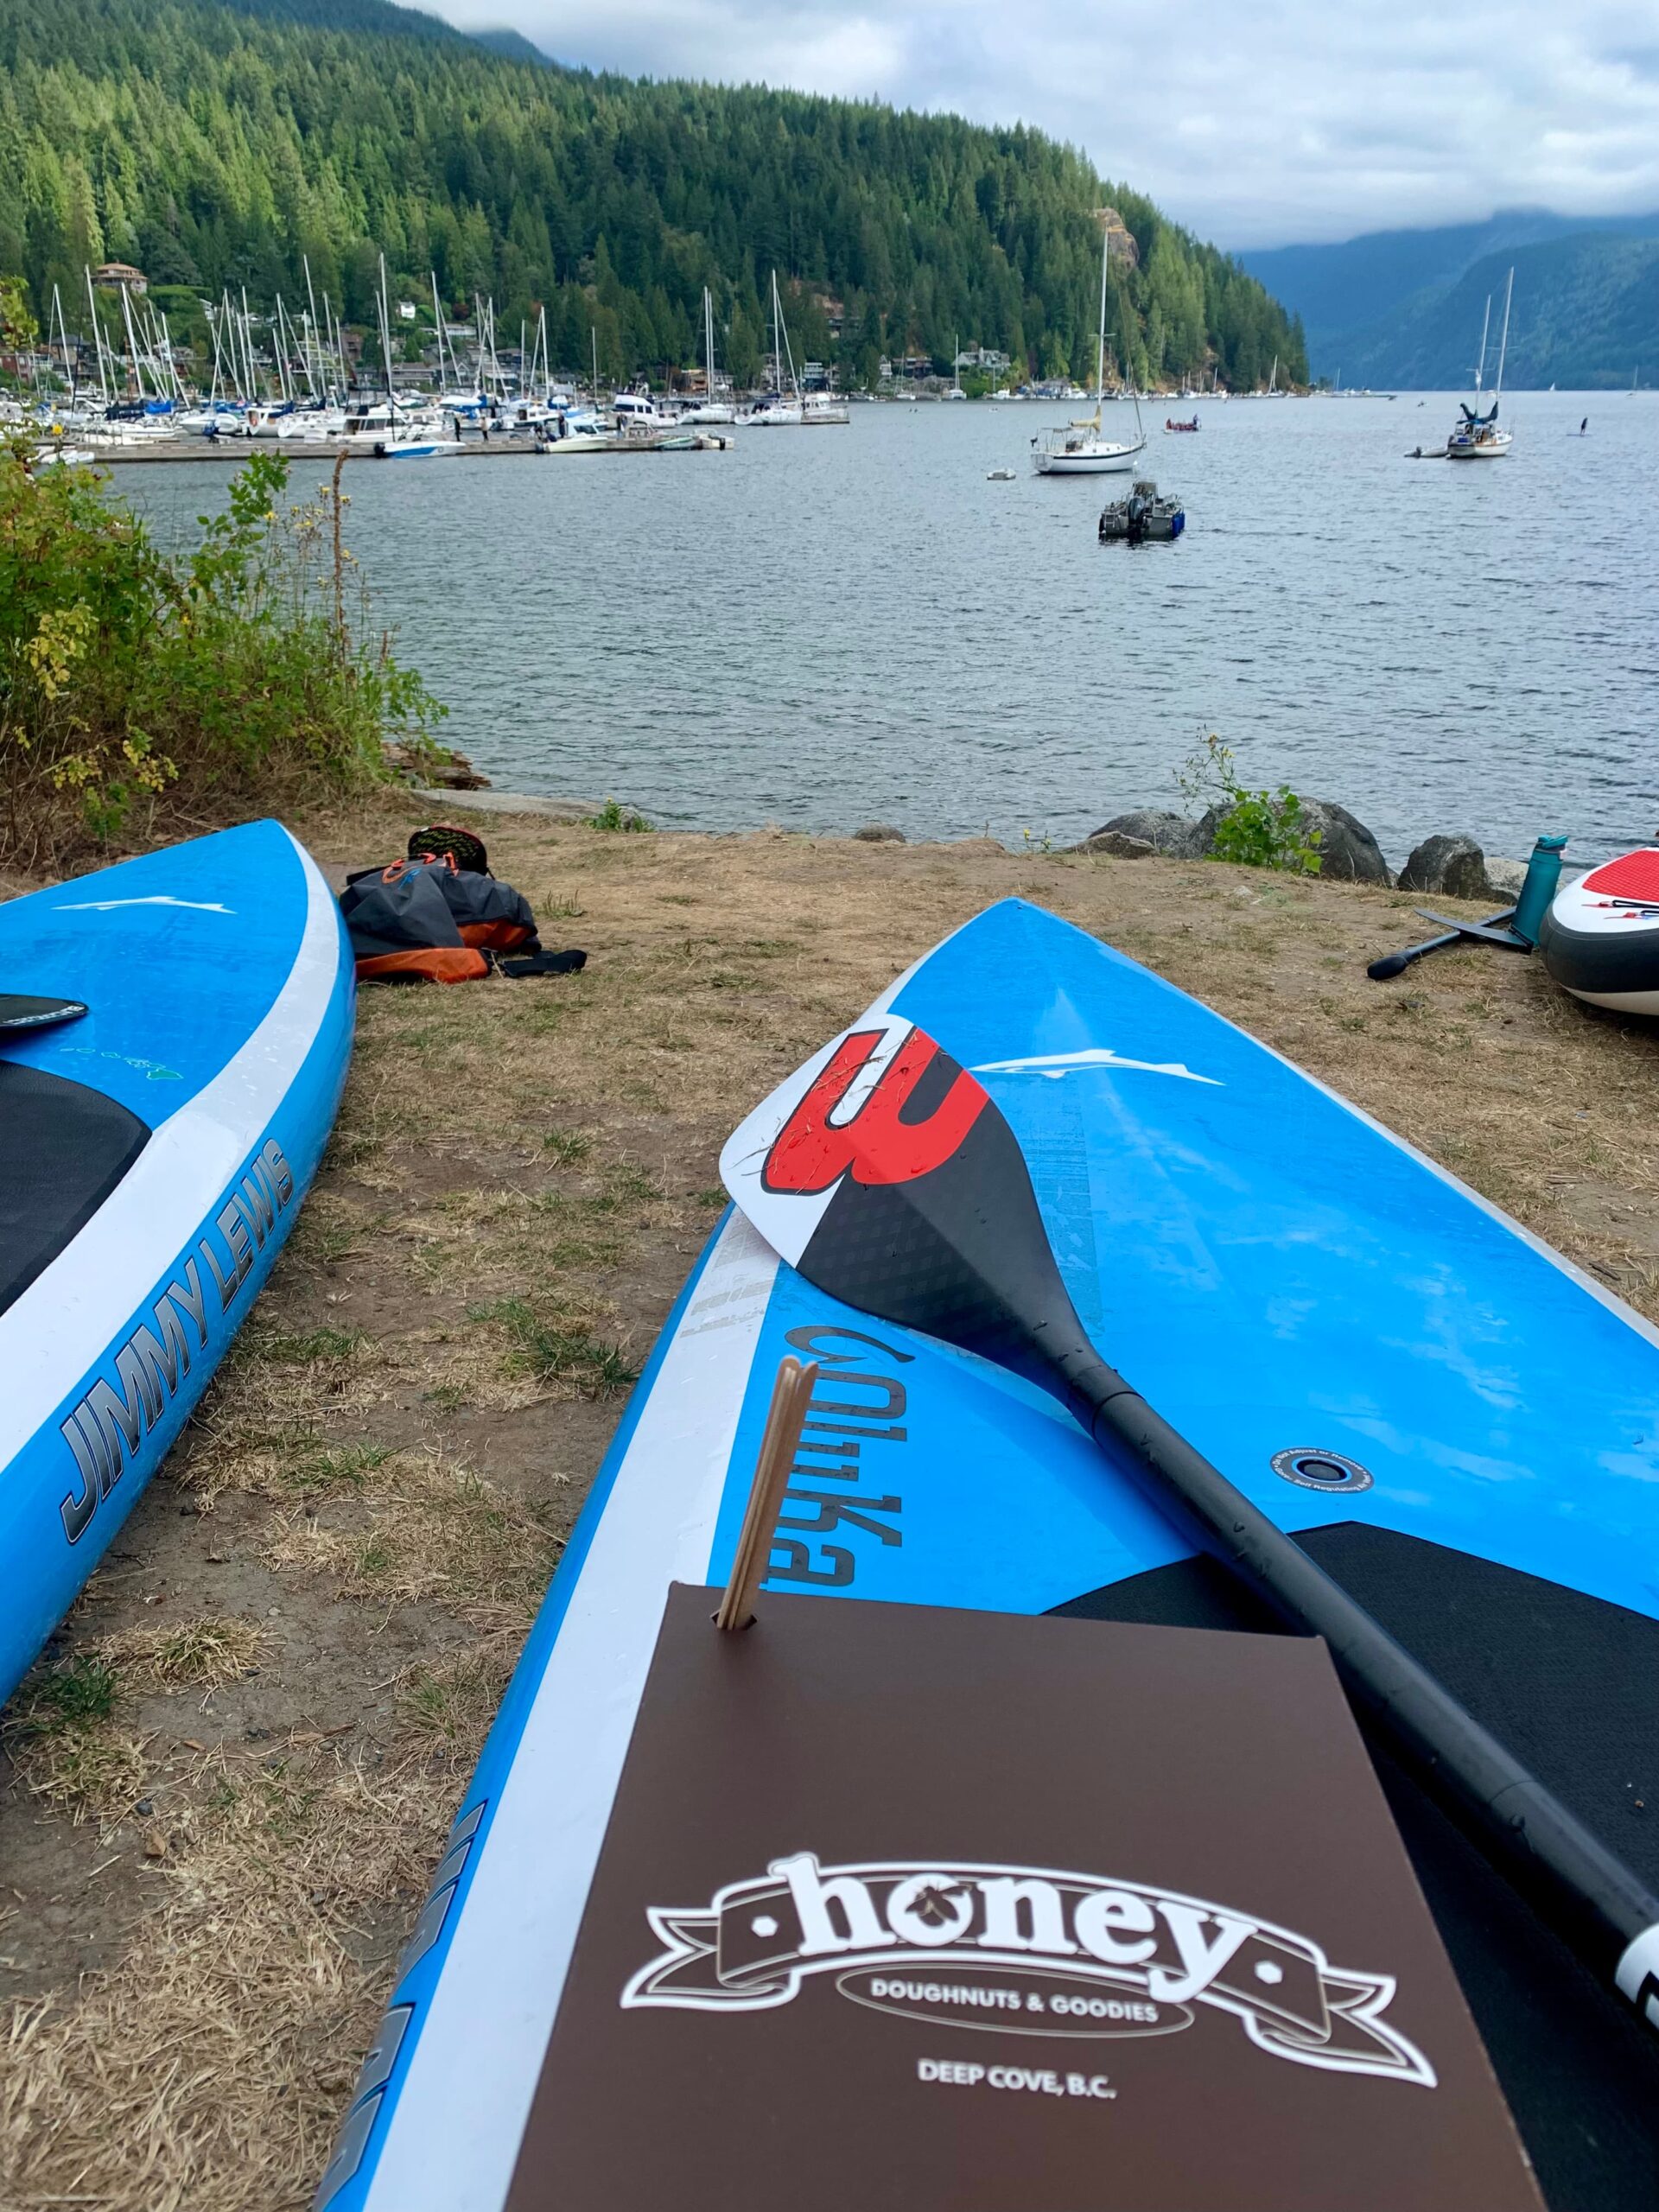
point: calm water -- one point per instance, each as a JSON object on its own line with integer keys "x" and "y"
{"x": 823, "y": 630}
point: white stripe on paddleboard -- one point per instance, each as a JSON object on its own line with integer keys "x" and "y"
{"x": 156, "y": 898}
{"x": 79, "y": 1305}
{"x": 1095, "y": 1056}
{"x": 454, "y": 2133}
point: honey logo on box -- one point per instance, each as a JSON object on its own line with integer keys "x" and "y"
{"x": 1026, "y": 1949}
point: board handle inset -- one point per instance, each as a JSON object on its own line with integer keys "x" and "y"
{"x": 791, "y": 1395}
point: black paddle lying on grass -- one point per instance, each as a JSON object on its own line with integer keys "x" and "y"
{"x": 883, "y": 1173}
{"x": 19, "y": 1014}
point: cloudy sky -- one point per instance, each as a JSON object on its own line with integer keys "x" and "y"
{"x": 1257, "y": 125}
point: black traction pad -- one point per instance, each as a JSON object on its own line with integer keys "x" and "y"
{"x": 65, "y": 1148}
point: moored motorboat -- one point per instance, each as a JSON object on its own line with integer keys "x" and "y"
{"x": 1143, "y": 519}
{"x": 1601, "y": 936}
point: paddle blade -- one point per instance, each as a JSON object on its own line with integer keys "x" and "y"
{"x": 884, "y": 1172}
{"x": 19, "y": 1013}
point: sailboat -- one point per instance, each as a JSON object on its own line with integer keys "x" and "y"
{"x": 955, "y": 391}
{"x": 709, "y": 408}
{"x": 773, "y": 410}
{"x": 1477, "y": 436}
{"x": 1077, "y": 448}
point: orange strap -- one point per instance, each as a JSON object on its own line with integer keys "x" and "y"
{"x": 500, "y": 937}
{"x": 437, "y": 963}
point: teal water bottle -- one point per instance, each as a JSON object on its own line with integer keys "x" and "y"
{"x": 1543, "y": 873}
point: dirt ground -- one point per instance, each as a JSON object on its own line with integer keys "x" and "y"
{"x": 223, "y": 1789}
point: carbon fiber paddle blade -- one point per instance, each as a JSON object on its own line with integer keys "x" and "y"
{"x": 18, "y": 1013}
{"x": 883, "y": 1172}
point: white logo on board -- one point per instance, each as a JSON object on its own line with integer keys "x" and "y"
{"x": 1055, "y": 1065}
{"x": 156, "y": 898}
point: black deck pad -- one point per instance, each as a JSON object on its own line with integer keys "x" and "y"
{"x": 1571, "y": 1684}
{"x": 63, "y": 1149}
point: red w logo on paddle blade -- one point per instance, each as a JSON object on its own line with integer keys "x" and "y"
{"x": 888, "y": 1140}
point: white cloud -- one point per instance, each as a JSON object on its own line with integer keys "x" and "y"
{"x": 1293, "y": 119}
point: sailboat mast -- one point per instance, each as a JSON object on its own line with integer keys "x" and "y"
{"x": 1100, "y": 351}
{"x": 385, "y": 328}
{"x": 1485, "y": 326}
{"x": 1504, "y": 343}
{"x": 247, "y": 347}
{"x": 56, "y": 316}
{"x": 98, "y": 338}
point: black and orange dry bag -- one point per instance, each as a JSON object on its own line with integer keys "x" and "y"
{"x": 428, "y": 921}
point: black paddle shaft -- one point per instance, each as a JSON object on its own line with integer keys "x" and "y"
{"x": 1521, "y": 1825}
{"x": 961, "y": 1251}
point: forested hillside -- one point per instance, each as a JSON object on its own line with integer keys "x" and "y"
{"x": 214, "y": 147}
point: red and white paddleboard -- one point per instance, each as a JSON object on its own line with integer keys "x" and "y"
{"x": 1600, "y": 938}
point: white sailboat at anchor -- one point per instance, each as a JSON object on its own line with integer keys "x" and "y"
{"x": 1079, "y": 448}
{"x": 1477, "y": 436}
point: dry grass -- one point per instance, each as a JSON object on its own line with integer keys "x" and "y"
{"x": 293, "y": 1656}
{"x": 201, "y": 1654}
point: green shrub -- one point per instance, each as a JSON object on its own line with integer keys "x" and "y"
{"x": 240, "y": 675}
{"x": 614, "y": 815}
{"x": 1261, "y": 829}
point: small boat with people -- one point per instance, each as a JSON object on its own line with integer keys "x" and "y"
{"x": 1600, "y": 934}
{"x": 1145, "y": 518}
{"x": 1171, "y": 426}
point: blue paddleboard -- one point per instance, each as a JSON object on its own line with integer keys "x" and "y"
{"x": 155, "y": 1153}
{"x": 1454, "y": 1419}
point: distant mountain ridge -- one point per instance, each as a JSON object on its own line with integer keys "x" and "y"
{"x": 1402, "y": 310}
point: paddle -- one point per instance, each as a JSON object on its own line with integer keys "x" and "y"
{"x": 18, "y": 1013}
{"x": 884, "y": 1172}
{"x": 1396, "y": 964}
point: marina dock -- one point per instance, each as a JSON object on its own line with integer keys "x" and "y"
{"x": 238, "y": 450}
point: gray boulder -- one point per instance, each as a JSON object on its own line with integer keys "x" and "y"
{"x": 1347, "y": 849}
{"x": 879, "y": 832}
{"x": 1452, "y": 865}
{"x": 1175, "y": 836}
{"x": 1115, "y": 845}
{"x": 1348, "y": 852}
{"x": 1506, "y": 878}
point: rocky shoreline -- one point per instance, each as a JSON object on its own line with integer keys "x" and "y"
{"x": 1450, "y": 864}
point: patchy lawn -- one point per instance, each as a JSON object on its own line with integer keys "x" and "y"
{"x": 223, "y": 1789}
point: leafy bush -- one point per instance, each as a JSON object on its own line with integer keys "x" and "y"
{"x": 614, "y": 815}
{"x": 1260, "y": 829}
{"x": 135, "y": 684}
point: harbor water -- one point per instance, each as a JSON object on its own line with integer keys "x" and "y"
{"x": 832, "y": 627}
